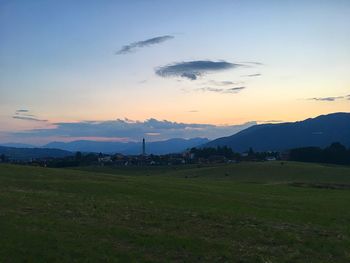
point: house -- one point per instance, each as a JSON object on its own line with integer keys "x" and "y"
{"x": 105, "y": 159}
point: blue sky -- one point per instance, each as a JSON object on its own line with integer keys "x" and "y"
{"x": 58, "y": 60}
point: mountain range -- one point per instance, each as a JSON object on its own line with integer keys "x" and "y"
{"x": 19, "y": 151}
{"x": 159, "y": 147}
{"x": 320, "y": 131}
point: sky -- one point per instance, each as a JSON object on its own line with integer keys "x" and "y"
{"x": 121, "y": 70}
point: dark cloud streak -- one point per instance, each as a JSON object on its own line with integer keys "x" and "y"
{"x": 330, "y": 99}
{"x": 24, "y": 115}
{"x": 223, "y": 83}
{"x": 252, "y": 75}
{"x": 28, "y": 118}
{"x": 193, "y": 69}
{"x": 222, "y": 90}
{"x": 145, "y": 43}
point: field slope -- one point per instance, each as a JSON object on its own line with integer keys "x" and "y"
{"x": 248, "y": 212}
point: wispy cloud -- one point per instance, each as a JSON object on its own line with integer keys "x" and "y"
{"x": 327, "y": 98}
{"x": 24, "y": 115}
{"x": 27, "y": 118}
{"x": 222, "y": 90}
{"x": 193, "y": 69}
{"x": 270, "y": 121}
{"x": 253, "y": 63}
{"x": 252, "y": 75}
{"x": 144, "y": 43}
{"x": 330, "y": 99}
{"x": 223, "y": 83}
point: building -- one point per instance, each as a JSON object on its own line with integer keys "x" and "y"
{"x": 143, "y": 147}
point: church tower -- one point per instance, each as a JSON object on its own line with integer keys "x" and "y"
{"x": 143, "y": 147}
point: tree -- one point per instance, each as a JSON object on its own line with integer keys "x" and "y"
{"x": 78, "y": 156}
{"x": 251, "y": 152}
{"x": 335, "y": 153}
{"x": 3, "y": 158}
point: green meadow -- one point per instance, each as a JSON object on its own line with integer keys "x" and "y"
{"x": 246, "y": 212}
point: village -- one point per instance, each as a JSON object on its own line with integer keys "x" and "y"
{"x": 219, "y": 155}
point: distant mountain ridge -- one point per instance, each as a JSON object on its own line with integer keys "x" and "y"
{"x": 320, "y": 131}
{"x": 25, "y": 154}
{"x": 175, "y": 145}
{"x": 18, "y": 145}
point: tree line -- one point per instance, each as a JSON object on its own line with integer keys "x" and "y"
{"x": 228, "y": 153}
{"x": 336, "y": 153}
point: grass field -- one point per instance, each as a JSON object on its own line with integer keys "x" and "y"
{"x": 247, "y": 212}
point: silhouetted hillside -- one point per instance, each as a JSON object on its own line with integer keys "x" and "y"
{"x": 17, "y": 145}
{"x": 320, "y": 132}
{"x": 32, "y": 153}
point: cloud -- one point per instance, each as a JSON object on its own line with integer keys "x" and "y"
{"x": 145, "y": 43}
{"x": 330, "y": 98}
{"x": 152, "y": 129}
{"x": 24, "y": 115}
{"x": 270, "y": 121}
{"x": 327, "y": 98}
{"x": 153, "y": 133}
{"x": 193, "y": 69}
{"x": 223, "y": 83}
{"x": 222, "y": 90}
{"x": 27, "y": 118}
{"x": 252, "y": 75}
{"x": 254, "y": 63}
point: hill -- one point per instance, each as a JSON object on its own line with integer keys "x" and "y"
{"x": 320, "y": 131}
{"x": 18, "y": 145}
{"x": 247, "y": 212}
{"x": 159, "y": 147}
{"x": 24, "y": 154}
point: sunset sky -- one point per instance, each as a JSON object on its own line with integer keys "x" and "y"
{"x": 120, "y": 70}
